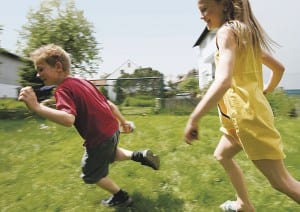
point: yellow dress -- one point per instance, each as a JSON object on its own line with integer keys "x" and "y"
{"x": 245, "y": 112}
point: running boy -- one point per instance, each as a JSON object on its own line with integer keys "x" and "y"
{"x": 97, "y": 120}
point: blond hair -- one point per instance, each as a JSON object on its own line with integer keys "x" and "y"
{"x": 239, "y": 16}
{"x": 51, "y": 54}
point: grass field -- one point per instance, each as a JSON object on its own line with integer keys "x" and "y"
{"x": 40, "y": 168}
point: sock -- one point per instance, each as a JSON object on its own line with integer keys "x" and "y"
{"x": 137, "y": 156}
{"x": 120, "y": 194}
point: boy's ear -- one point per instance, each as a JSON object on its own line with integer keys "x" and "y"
{"x": 58, "y": 66}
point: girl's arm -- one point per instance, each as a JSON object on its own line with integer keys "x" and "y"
{"x": 227, "y": 45}
{"x": 277, "y": 70}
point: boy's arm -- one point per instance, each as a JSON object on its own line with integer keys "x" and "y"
{"x": 125, "y": 125}
{"x": 28, "y": 96}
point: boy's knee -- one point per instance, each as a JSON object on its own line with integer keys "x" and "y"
{"x": 91, "y": 179}
{"x": 87, "y": 180}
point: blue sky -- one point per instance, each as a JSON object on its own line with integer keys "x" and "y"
{"x": 160, "y": 34}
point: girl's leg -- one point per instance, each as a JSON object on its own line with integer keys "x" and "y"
{"x": 279, "y": 177}
{"x": 224, "y": 153}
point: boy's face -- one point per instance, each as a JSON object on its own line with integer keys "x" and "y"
{"x": 48, "y": 74}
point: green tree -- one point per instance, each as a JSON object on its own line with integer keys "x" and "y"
{"x": 64, "y": 25}
{"x": 144, "y": 81}
{"x": 190, "y": 84}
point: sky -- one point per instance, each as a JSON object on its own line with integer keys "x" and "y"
{"x": 160, "y": 33}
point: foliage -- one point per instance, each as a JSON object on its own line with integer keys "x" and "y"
{"x": 64, "y": 26}
{"x": 144, "y": 81}
{"x": 190, "y": 84}
{"x": 28, "y": 75}
{"x": 281, "y": 103}
{"x": 139, "y": 101}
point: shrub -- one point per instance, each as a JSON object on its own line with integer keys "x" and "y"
{"x": 282, "y": 104}
{"x": 139, "y": 101}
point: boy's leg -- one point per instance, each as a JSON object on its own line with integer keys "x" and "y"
{"x": 108, "y": 185}
{"x": 145, "y": 157}
{"x": 95, "y": 169}
{"x": 224, "y": 153}
{"x": 279, "y": 177}
{"x": 118, "y": 198}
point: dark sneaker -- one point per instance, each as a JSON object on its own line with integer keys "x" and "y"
{"x": 150, "y": 159}
{"x": 117, "y": 202}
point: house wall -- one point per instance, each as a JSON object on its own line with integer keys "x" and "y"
{"x": 127, "y": 67}
{"x": 9, "y": 78}
{"x": 205, "y": 51}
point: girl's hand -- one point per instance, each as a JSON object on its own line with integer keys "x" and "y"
{"x": 191, "y": 133}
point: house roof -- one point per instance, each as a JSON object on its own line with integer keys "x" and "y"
{"x": 128, "y": 64}
{"x": 201, "y": 37}
{"x": 9, "y": 54}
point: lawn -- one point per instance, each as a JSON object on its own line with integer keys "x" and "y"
{"x": 40, "y": 168}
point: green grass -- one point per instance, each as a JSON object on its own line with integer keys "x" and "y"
{"x": 40, "y": 168}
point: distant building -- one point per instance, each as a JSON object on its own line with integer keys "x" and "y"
{"x": 9, "y": 78}
{"x": 205, "y": 48}
{"x": 109, "y": 80}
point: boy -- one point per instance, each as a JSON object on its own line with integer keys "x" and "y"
{"x": 96, "y": 119}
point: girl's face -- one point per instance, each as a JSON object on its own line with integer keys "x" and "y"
{"x": 212, "y": 12}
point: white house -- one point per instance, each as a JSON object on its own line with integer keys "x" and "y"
{"x": 9, "y": 78}
{"x": 205, "y": 49}
{"x": 127, "y": 67}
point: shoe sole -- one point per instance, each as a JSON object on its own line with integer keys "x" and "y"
{"x": 127, "y": 203}
{"x": 153, "y": 159}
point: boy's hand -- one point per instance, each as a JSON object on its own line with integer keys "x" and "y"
{"x": 28, "y": 96}
{"x": 127, "y": 127}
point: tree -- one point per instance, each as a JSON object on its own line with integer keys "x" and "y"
{"x": 144, "y": 81}
{"x": 64, "y": 26}
{"x": 190, "y": 83}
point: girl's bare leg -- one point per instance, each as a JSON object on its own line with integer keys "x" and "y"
{"x": 279, "y": 177}
{"x": 224, "y": 153}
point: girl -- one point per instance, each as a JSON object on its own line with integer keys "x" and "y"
{"x": 246, "y": 117}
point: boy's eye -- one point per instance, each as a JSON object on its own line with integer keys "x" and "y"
{"x": 39, "y": 69}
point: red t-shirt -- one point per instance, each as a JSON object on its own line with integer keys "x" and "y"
{"x": 94, "y": 119}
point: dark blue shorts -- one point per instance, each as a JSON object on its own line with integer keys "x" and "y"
{"x": 96, "y": 160}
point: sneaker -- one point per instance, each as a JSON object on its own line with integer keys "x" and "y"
{"x": 150, "y": 159}
{"x": 115, "y": 202}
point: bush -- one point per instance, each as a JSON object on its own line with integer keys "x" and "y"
{"x": 282, "y": 104}
{"x": 139, "y": 101}
{"x": 12, "y": 109}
